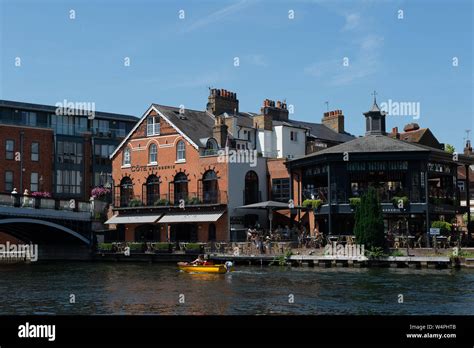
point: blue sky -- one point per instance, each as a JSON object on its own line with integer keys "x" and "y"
{"x": 173, "y": 60}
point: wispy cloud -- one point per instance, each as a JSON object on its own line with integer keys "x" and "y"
{"x": 363, "y": 63}
{"x": 218, "y": 15}
{"x": 255, "y": 59}
{"x": 352, "y": 21}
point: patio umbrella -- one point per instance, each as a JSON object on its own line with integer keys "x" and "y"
{"x": 270, "y": 206}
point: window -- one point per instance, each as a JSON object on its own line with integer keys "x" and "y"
{"x": 34, "y": 182}
{"x": 102, "y": 153}
{"x": 461, "y": 186}
{"x": 28, "y": 118}
{"x": 8, "y": 181}
{"x": 126, "y": 157}
{"x": 63, "y": 124}
{"x": 293, "y": 136}
{"x": 153, "y": 154}
{"x": 69, "y": 152}
{"x": 35, "y": 151}
{"x": 153, "y": 126}
{"x": 210, "y": 187}
{"x": 211, "y": 147}
{"x": 251, "y": 192}
{"x": 68, "y": 181}
{"x": 281, "y": 190}
{"x": 101, "y": 127}
{"x": 181, "y": 151}
{"x": 9, "y": 149}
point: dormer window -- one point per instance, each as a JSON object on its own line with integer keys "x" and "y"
{"x": 153, "y": 126}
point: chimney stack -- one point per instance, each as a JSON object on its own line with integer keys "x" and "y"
{"x": 468, "y": 148}
{"x": 395, "y": 133}
{"x": 278, "y": 111}
{"x": 221, "y": 100}
{"x": 334, "y": 120}
{"x": 219, "y": 131}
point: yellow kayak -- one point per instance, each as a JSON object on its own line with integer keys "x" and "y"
{"x": 202, "y": 268}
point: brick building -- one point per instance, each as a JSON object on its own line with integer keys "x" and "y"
{"x": 171, "y": 181}
{"x": 65, "y": 154}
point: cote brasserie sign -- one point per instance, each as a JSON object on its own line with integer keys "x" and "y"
{"x": 146, "y": 168}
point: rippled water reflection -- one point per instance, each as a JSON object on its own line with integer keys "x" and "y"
{"x": 111, "y": 288}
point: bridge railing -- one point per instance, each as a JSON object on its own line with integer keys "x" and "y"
{"x": 20, "y": 201}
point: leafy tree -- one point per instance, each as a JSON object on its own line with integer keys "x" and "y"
{"x": 449, "y": 148}
{"x": 369, "y": 227}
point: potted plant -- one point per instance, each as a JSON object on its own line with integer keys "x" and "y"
{"x": 162, "y": 247}
{"x": 104, "y": 246}
{"x": 100, "y": 193}
{"x": 401, "y": 202}
{"x": 193, "y": 248}
{"x": 161, "y": 202}
{"x": 354, "y": 202}
{"x": 135, "y": 202}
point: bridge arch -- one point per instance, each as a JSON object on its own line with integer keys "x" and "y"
{"x": 33, "y": 230}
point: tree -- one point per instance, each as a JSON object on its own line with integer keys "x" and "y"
{"x": 369, "y": 227}
{"x": 449, "y": 148}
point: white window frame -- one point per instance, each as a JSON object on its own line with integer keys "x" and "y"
{"x": 36, "y": 182}
{"x": 154, "y": 153}
{"x": 181, "y": 152}
{"x": 153, "y": 126}
{"x": 127, "y": 158}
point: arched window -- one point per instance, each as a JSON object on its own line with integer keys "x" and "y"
{"x": 152, "y": 189}
{"x": 126, "y": 191}
{"x": 252, "y": 194}
{"x": 211, "y": 147}
{"x": 181, "y": 151}
{"x": 126, "y": 160}
{"x": 210, "y": 187}
{"x": 180, "y": 187}
{"x": 153, "y": 154}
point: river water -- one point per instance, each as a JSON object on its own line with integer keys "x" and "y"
{"x": 133, "y": 288}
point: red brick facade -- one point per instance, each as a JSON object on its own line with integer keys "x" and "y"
{"x": 166, "y": 168}
{"x": 43, "y": 166}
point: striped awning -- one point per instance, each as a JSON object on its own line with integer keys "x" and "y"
{"x": 133, "y": 219}
{"x": 190, "y": 217}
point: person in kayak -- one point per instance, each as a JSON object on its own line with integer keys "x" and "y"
{"x": 199, "y": 261}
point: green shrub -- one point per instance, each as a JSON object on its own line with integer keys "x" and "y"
{"x": 375, "y": 252}
{"x": 354, "y": 202}
{"x": 135, "y": 203}
{"x": 369, "y": 226}
{"x": 402, "y": 199}
{"x": 442, "y": 225}
{"x": 162, "y": 246}
{"x": 312, "y": 203}
{"x": 193, "y": 201}
{"x": 136, "y": 246}
{"x": 397, "y": 253}
{"x": 193, "y": 246}
{"x": 161, "y": 202}
{"x": 104, "y": 246}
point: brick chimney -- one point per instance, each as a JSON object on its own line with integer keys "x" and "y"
{"x": 411, "y": 127}
{"x": 278, "y": 111}
{"x": 468, "y": 148}
{"x": 394, "y": 133}
{"x": 221, "y": 100}
{"x": 219, "y": 131}
{"x": 334, "y": 120}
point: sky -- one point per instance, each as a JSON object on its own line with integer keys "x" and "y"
{"x": 124, "y": 55}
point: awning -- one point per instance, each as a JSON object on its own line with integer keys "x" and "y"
{"x": 133, "y": 219}
{"x": 190, "y": 217}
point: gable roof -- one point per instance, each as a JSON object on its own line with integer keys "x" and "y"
{"x": 372, "y": 143}
{"x": 320, "y": 131}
